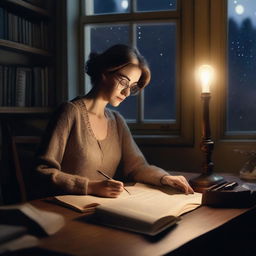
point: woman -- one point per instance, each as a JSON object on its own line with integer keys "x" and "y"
{"x": 85, "y": 136}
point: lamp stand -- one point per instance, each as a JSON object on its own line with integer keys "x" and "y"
{"x": 208, "y": 177}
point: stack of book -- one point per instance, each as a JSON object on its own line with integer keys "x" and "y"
{"x": 20, "y": 226}
{"x": 22, "y": 30}
{"x": 24, "y": 86}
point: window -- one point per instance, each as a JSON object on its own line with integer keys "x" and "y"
{"x": 241, "y": 102}
{"x": 158, "y": 30}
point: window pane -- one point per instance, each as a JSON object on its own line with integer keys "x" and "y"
{"x": 157, "y": 42}
{"x": 128, "y": 108}
{"x": 104, "y": 36}
{"x": 241, "y": 64}
{"x": 107, "y": 6}
{"x": 101, "y": 38}
{"x": 160, "y": 94}
{"x": 156, "y": 5}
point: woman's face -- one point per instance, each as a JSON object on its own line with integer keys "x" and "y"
{"x": 118, "y": 82}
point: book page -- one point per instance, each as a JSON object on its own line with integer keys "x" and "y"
{"x": 22, "y": 242}
{"x": 127, "y": 217}
{"x": 167, "y": 200}
{"x": 50, "y": 222}
{"x": 159, "y": 201}
{"x": 86, "y": 203}
{"x": 148, "y": 210}
{"x": 154, "y": 202}
{"x": 8, "y": 232}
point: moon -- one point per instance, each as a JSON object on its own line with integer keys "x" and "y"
{"x": 124, "y": 4}
{"x": 239, "y": 9}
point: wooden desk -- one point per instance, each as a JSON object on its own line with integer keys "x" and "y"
{"x": 82, "y": 238}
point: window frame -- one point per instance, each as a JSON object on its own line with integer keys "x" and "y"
{"x": 219, "y": 38}
{"x": 181, "y": 132}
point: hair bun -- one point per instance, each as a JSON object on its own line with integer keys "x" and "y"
{"x": 93, "y": 55}
{"x": 91, "y": 63}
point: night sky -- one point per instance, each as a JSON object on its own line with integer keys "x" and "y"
{"x": 160, "y": 95}
{"x": 242, "y": 65}
{"x": 157, "y": 43}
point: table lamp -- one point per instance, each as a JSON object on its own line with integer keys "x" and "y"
{"x": 208, "y": 177}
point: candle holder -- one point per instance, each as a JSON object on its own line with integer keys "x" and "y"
{"x": 208, "y": 177}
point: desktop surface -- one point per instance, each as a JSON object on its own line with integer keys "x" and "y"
{"x": 81, "y": 237}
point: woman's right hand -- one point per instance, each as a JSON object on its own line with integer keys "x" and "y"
{"x": 105, "y": 188}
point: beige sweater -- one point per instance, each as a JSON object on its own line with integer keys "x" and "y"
{"x": 70, "y": 154}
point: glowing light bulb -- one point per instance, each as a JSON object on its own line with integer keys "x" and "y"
{"x": 205, "y": 73}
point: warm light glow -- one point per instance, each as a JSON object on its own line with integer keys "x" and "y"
{"x": 205, "y": 73}
{"x": 239, "y": 9}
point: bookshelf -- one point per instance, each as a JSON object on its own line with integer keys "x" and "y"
{"x": 40, "y": 8}
{"x": 26, "y": 49}
{"x": 27, "y": 56}
{"x": 28, "y": 78}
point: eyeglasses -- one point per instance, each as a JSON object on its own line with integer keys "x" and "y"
{"x": 123, "y": 84}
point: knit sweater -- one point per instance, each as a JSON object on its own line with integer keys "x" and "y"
{"x": 70, "y": 154}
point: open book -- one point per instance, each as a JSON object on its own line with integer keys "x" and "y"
{"x": 20, "y": 224}
{"x": 38, "y": 222}
{"x": 148, "y": 209}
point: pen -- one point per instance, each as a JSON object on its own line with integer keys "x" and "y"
{"x": 227, "y": 185}
{"x": 216, "y": 185}
{"x": 109, "y": 178}
{"x": 231, "y": 185}
{"x": 220, "y": 187}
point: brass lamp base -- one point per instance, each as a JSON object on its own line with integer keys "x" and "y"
{"x": 205, "y": 181}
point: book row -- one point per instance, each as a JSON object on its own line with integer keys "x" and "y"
{"x": 21, "y": 30}
{"x": 25, "y": 86}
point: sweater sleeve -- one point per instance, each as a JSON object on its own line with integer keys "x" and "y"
{"x": 135, "y": 167}
{"x": 49, "y": 178}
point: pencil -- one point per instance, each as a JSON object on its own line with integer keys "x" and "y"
{"x": 216, "y": 185}
{"x": 228, "y": 185}
{"x": 109, "y": 178}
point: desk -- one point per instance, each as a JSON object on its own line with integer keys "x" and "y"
{"x": 83, "y": 238}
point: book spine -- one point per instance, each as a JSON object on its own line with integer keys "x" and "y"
{"x": 24, "y": 87}
{"x": 37, "y": 83}
{"x": 15, "y": 28}
{"x": 9, "y": 86}
{"x": 5, "y": 25}
{"x": 20, "y": 87}
{"x": 2, "y": 23}
{"x": 43, "y": 87}
{"x": 9, "y": 26}
{"x": 1, "y": 84}
{"x": 5, "y": 85}
{"x": 13, "y": 85}
{"x": 51, "y": 87}
{"x": 29, "y": 87}
{"x": 46, "y": 86}
{"x": 23, "y": 30}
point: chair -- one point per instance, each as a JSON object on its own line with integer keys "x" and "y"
{"x": 23, "y": 149}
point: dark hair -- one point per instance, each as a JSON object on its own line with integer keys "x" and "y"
{"x": 115, "y": 58}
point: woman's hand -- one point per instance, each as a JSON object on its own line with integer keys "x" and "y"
{"x": 105, "y": 188}
{"x": 178, "y": 182}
